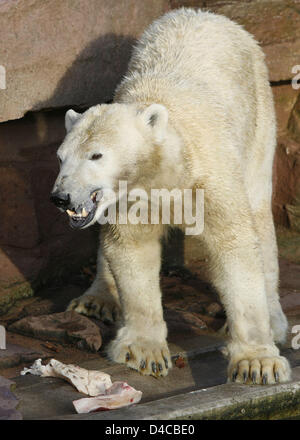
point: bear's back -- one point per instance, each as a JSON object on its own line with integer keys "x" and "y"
{"x": 189, "y": 44}
{"x": 205, "y": 69}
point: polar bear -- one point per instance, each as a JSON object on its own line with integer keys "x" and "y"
{"x": 194, "y": 110}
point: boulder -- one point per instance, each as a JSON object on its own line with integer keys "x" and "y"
{"x": 291, "y": 303}
{"x": 60, "y": 54}
{"x": 285, "y": 98}
{"x": 286, "y": 179}
{"x": 65, "y": 327}
{"x": 294, "y": 121}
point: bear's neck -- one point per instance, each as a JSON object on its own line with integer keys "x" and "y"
{"x": 142, "y": 91}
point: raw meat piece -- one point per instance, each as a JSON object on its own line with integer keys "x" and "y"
{"x": 118, "y": 395}
{"x": 89, "y": 382}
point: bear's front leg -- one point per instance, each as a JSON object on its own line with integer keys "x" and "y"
{"x": 134, "y": 259}
{"x": 237, "y": 270}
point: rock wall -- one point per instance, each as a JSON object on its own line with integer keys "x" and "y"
{"x": 72, "y": 54}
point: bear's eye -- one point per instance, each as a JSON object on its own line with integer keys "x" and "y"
{"x": 96, "y": 156}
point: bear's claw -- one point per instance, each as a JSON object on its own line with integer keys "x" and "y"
{"x": 145, "y": 356}
{"x": 264, "y": 371}
{"x": 95, "y": 306}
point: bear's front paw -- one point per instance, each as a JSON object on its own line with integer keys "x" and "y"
{"x": 97, "y": 307}
{"x": 264, "y": 370}
{"x": 144, "y": 355}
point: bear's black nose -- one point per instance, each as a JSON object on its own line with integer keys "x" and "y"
{"x": 60, "y": 200}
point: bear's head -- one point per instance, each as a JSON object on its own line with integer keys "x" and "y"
{"x": 106, "y": 144}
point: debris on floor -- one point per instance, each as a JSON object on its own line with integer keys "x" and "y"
{"x": 51, "y": 347}
{"x": 89, "y": 382}
{"x": 180, "y": 363}
{"x": 68, "y": 327}
{"x": 120, "y": 394}
{"x": 104, "y": 394}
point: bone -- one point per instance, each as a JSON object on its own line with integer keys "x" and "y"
{"x": 89, "y": 382}
{"x": 120, "y": 394}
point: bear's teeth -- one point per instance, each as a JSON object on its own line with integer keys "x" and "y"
{"x": 76, "y": 216}
{"x": 93, "y": 196}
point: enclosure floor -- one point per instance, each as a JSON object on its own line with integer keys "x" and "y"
{"x": 194, "y": 317}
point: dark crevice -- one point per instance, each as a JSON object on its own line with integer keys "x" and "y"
{"x": 281, "y": 82}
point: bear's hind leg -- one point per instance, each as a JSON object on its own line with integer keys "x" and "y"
{"x": 238, "y": 274}
{"x": 258, "y": 183}
{"x": 101, "y": 300}
{"x": 265, "y": 229}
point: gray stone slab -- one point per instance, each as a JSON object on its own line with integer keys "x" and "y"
{"x": 8, "y": 401}
{"x": 228, "y": 401}
{"x": 15, "y": 354}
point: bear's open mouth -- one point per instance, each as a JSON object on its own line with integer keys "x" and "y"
{"x": 86, "y": 214}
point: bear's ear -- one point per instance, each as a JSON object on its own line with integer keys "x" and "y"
{"x": 156, "y": 116}
{"x": 70, "y": 119}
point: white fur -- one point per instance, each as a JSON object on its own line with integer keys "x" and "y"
{"x": 71, "y": 118}
{"x": 206, "y": 80}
